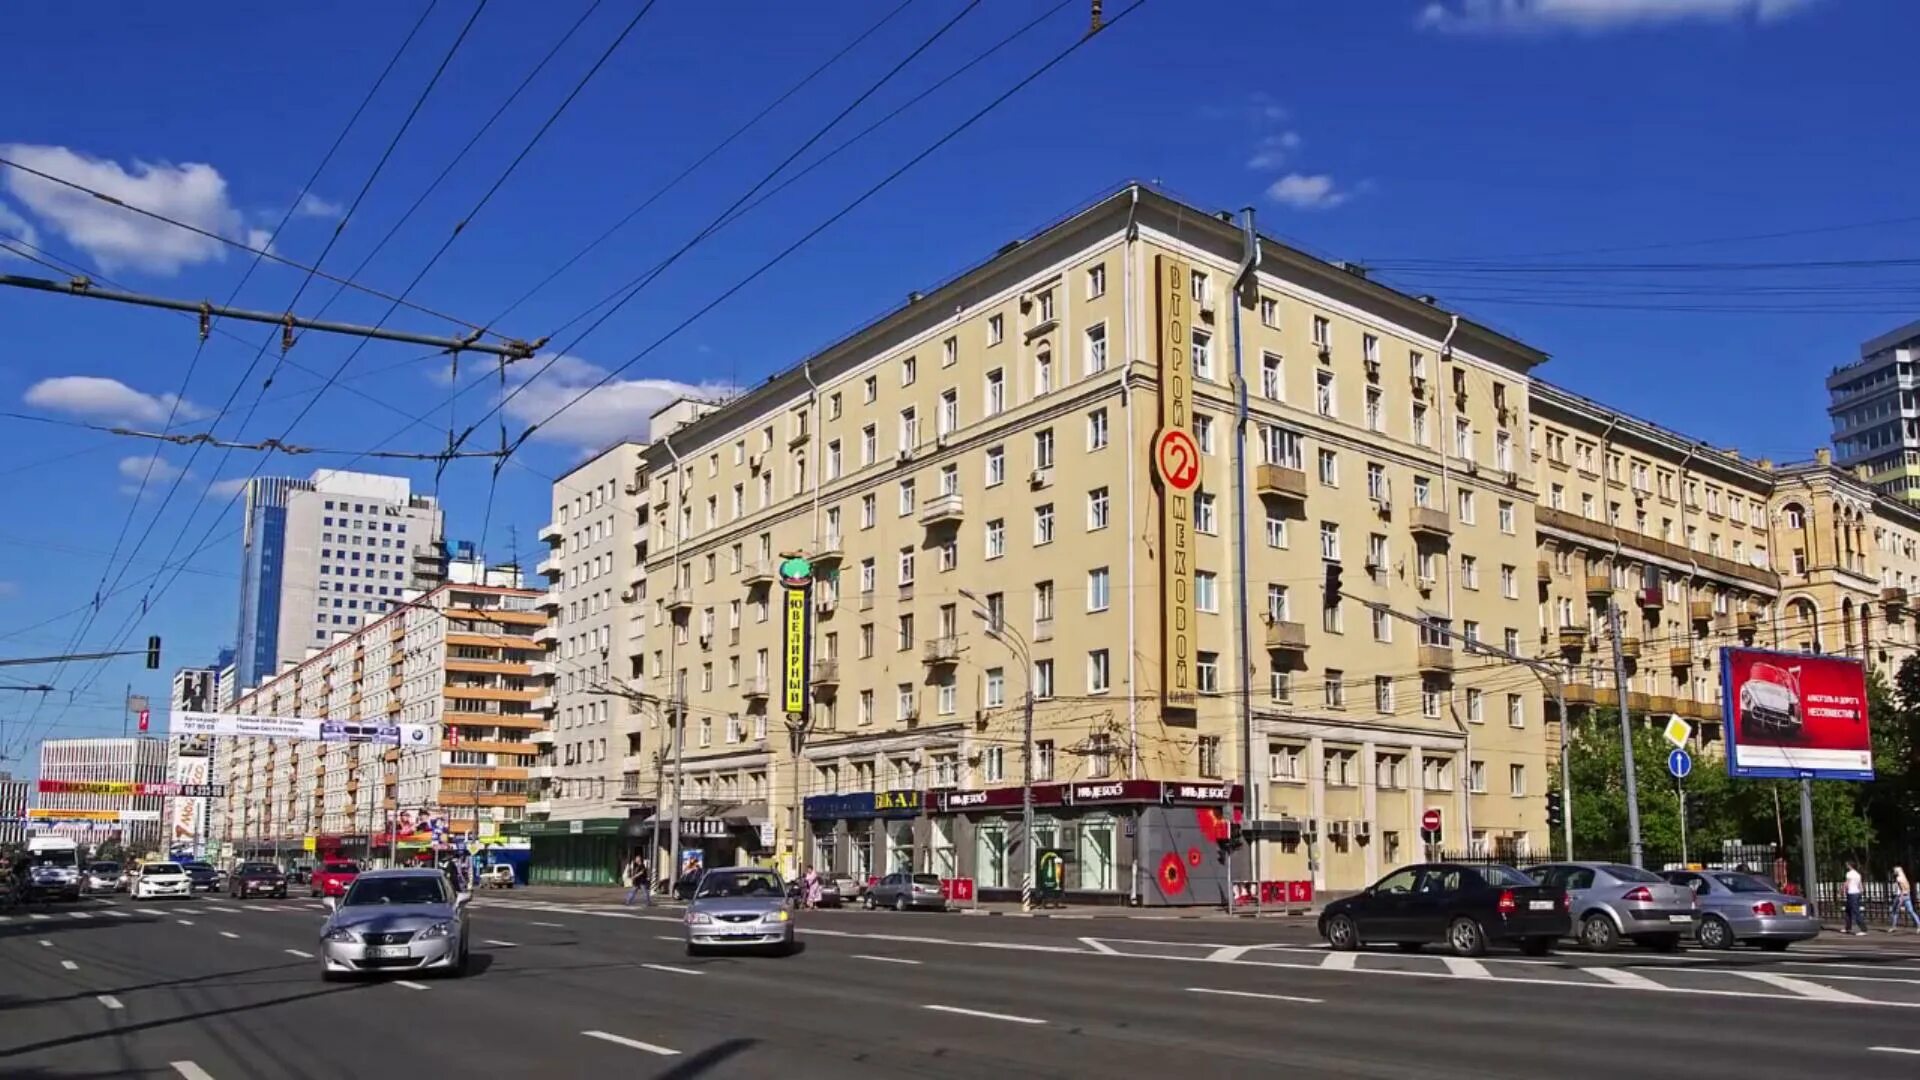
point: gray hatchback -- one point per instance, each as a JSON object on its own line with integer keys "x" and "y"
{"x": 1737, "y": 906}
{"x": 1614, "y": 901}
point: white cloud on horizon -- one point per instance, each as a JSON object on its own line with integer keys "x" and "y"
{"x": 618, "y": 410}
{"x": 313, "y": 206}
{"x": 1273, "y": 150}
{"x": 100, "y": 398}
{"x": 228, "y": 488}
{"x": 117, "y": 238}
{"x": 1596, "y": 16}
{"x": 1303, "y": 192}
{"x": 134, "y": 469}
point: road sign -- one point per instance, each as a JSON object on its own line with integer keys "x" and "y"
{"x": 1178, "y": 458}
{"x": 1430, "y": 821}
{"x": 1678, "y": 731}
{"x": 1679, "y": 763}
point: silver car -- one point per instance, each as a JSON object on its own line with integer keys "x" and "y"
{"x": 393, "y": 921}
{"x": 1737, "y": 906}
{"x": 1612, "y": 901}
{"x": 740, "y": 907}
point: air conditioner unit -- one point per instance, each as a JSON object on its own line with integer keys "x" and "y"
{"x": 1206, "y": 310}
{"x": 706, "y": 641}
{"x": 1039, "y": 478}
{"x": 1326, "y": 353}
{"x": 1419, "y": 386}
{"x": 1383, "y": 508}
{"x": 1364, "y": 829}
{"x": 754, "y": 462}
{"x": 940, "y": 441}
{"x": 904, "y": 457}
{"x": 1511, "y": 478}
{"x": 1312, "y": 828}
{"x": 1373, "y": 368}
{"x": 824, "y": 605}
{"x": 1473, "y": 468}
{"x": 1504, "y": 414}
{"x": 1337, "y": 828}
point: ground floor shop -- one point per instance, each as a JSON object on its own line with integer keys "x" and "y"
{"x": 596, "y": 851}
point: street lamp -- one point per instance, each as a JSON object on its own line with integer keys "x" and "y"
{"x": 1017, "y": 645}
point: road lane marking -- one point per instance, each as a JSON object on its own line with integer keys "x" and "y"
{"x": 555, "y": 925}
{"x": 675, "y": 970}
{"x": 1894, "y": 1050}
{"x": 1340, "y": 961}
{"x": 41, "y": 918}
{"x": 1251, "y": 994}
{"x": 1618, "y": 977}
{"x": 118, "y": 914}
{"x": 1008, "y": 1017}
{"x": 1099, "y": 946}
{"x": 45, "y": 944}
{"x": 109, "y": 1001}
{"x": 79, "y": 915}
{"x": 190, "y": 1071}
{"x": 631, "y": 1044}
{"x": 225, "y": 934}
{"x": 1800, "y": 986}
{"x": 411, "y": 985}
{"x": 301, "y": 955}
{"x": 184, "y": 922}
{"x": 149, "y": 911}
{"x": 228, "y": 910}
{"x": 884, "y": 959}
{"x": 668, "y": 937}
{"x": 502, "y": 944}
{"x": 1462, "y": 968}
{"x": 70, "y": 965}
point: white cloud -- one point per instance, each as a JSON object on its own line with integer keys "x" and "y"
{"x": 1523, "y": 16}
{"x": 227, "y": 489}
{"x": 618, "y": 410}
{"x": 118, "y": 238}
{"x": 156, "y": 471}
{"x": 101, "y": 398}
{"x": 15, "y": 227}
{"x": 311, "y": 205}
{"x": 1303, "y": 192}
{"x": 1273, "y": 150}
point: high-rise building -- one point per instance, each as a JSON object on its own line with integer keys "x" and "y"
{"x": 13, "y": 810}
{"x": 328, "y": 555}
{"x": 1875, "y": 406}
{"x": 133, "y": 819}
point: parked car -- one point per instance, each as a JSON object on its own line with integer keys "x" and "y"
{"x": 332, "y": 878}
{"x": 901, "y": 891}
{"x": 299, "y": 874}
{"x": 1465, "y": 907}
{"x": 160, "y": 879}
{"x": 497, "y": 876}
{"x": 394, "y": 920}
{"x": 104, "y": 877}
{"x": 1737, "y": 907}
{"x": 849, "y": 887}
{"x": 203, "y": 876}
{"x": 738, "y": 907}
{"x": 257, "y": 879}
{"x": 830, "y": 895}
{"x": 1611, "y": 902}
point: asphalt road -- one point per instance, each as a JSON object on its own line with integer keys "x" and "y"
{"x": 226, "y": 989}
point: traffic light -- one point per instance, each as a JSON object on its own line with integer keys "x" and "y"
{"x": 1556, "y": 810}
{"x": 153, "y": 653}
{"x": 1330, "y": 590}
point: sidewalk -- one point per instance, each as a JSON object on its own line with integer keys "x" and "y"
{"x": 593, "y": 894}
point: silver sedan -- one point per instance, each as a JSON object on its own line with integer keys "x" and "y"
{"x": 395, "y": 921}
{"x": 740, "y": 907}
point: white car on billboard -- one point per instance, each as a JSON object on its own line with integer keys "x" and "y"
{"x": 1770, "y": 702}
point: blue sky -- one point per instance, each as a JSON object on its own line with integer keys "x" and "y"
{"x": 1491, "y": 152}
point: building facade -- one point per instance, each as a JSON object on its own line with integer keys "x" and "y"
{"x": 14, "y": 801}
{"x": 327, "y": 555}
{"x": 1876, "y": 417}
{"x": 459, "y": 658}
{"x": 92, "y": 818}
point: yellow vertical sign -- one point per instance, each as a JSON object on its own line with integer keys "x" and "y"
{"x": 796, "y": 652}
{"x": 1176, "y": 465}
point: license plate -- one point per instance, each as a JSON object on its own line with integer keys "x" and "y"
{"x": 385, "y": 952}
{"x": 1795, "y": 909}
{"x": 1540, "y": 905}
{"x": 1679, "y": 918}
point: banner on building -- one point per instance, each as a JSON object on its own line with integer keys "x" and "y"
{"x": 1176, "y": 465}
{"x": 1792, "y": 715}
{"x": 299, "y": 727}
{"x": 795, "y": 666}
{"x": 187, "y": 815}
{"x": 200, "y": 790}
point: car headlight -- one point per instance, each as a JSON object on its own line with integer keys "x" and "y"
{"x": 699, "y": 918}
{"x": 777, "y": 916}
{"x": 439, "y": 930}
{"x": 340, "y": 934}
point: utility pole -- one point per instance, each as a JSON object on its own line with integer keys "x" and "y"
{"x": 1634, "y": 850}
{"x": 1026, "y": 800}
{"x": 1809, "y": 875}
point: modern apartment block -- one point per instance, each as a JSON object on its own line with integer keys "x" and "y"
{"x": 132, "y": 819}
{"x": 15, "y": 797}
{"x": 1876, "y": 417}
{"x": 461, "y": 658}
{"x": 1006, "y": 444}
{"x": 327, "y": 555}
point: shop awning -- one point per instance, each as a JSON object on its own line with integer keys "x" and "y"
{"x": 750, "y": 813}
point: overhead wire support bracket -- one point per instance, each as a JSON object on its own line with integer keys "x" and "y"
{"x": 84, "y": 287}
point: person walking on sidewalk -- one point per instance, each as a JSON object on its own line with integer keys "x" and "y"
{"x": 638, "y": 882}
{"x": 1903, "y": 901}
{"x": 1856, "y": 924}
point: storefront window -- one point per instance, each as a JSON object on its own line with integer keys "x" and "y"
{"x": 992, "y": 857}
{"x": 1096, "y": 853}
{"x": 823, "y": 851}
{"x": 900, "y": 848}
{"x": 862, "y": 852}
{"x": 944, "y": 858}
{"x": 1046, "y": 832}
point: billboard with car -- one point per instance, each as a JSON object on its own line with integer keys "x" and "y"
{"x": 1795, "y": 714}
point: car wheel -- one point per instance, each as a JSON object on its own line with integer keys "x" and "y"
{"x": 1410, "y": 946}
{"x": 1714, "y": 933}
{"x": 329, "y": 975}
{"x": 900, "y": 903}
{"x": 1465, "y": 937}
{"x": 1597, "y": 933}
{"x": 1774, "y": 945}
{"x": 1537, "y": 945}
{"x": 1342, "y": 934}
{"x": 460, "y": 964}
{"x": 692, "y": 949}
{"x": 1662, "y": 942}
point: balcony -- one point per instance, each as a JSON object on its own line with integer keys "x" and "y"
{"x": 1286, "y": 636}
{"x": 542, "y": 669}
{"x": 1661, "y": 704}
{"x": 1639, "y": 702}
{"x": 550, "y": 600}
{"x": 1895, "y": 599}
{"x": 757, "y": 573}
{"x": 1543, "y": 571}
{"x": 547, "y": 635}
{"x": 633, "y": 789}
{"x": 551, "y": 533}
{"x": 1701, "y": 611}
{"x": 539, "y": 807}
{"x": 542, "y": 737}
{"x": 1708, "y": 710}
{"x": 544, "y": 703}
{"x": 1043, "y": 629}
{"x": 1280, "y": 482}
{"x": 1435, "y": 660}
{"x": 1680, "y": 656}
{"x": 1572, "y": 639}
{"x": 1578, "y": 693}
{"x": 1599, "y": 588}
{"x": 1430, "y": 523}
{"x": 679, "y": 599}
{"x": 941, "y": 651}
{"x": 1651, "y": 599}
{"x": 948, "y": 509}
{"x": 1630, "y": 648}
{"x": 826, "y": 673}
{"x": 754, "y": 686}
{"x": 548, "y": 567}
{"x": 831, "y": 550}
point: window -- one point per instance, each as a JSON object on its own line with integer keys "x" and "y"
{"x": 1095, "y": 359}
{"x": 1333, "y": 688}
{"x": 949, "y": 416}
{"x": 996, "y": 392}
{"x": 1377, "y": 481}
{"x": 833, "y": 473}
{"x": 1503, "y": 451}
{"x": 993, "y": 764}
{"x": 1476, "y": 710}
{"x": 1271, "y": 385}
{"x": 870, "y": 388}
{"x": 1043, "y": 448}
{"x": 1044, "y": 302}
{"x": 1207, "y": 754}
{"x": 1383, "y": 693}
{"x": 1198, "y": 282}
{"x": 1204, "y": 518}
{"x": 909, "y": 429}
{"x": 1042, "y": 373}
{"x": 996, "y": 538}
{"x": 1269, "y": 311}
{"x": 1203, "y": 432}
{"x": 1097, "y": 502}
{"x": 1277, "y": 602}
{"x": 1276, "y": 530}
{"x": 1096, "y": 429}
{"x": 906, "y": 566}
{"x": 1202, "y": 349}
{"x": 1377, "y": 559}
{"x": 1099, "y": 672}
{"x": 1043, "y": 678}
{"x": 996, "y": 687}
{"x": 949, "y": 554}
{"x": 1322, "y": 332}
{"x": 1329, "y": 468}
{"x": 1098, "y": 589}
{"x": 869, "y": 444}
{"x": 996, "y": 329}
{"x": 950, "y": 352}
{"x": 906, "y": 705}
{"x": 868, "y": 507}
{"x": 1517, "y": 780}
{"x": 1042, "y": 602}
{"x": 1506, "y": 517}
{"x": 1509, "y": 582}
{"x": 1375, "y": 419}
{"x": 906, "y": 497}
{"x": 1206, "y": 672}
{"x": 949, "y": 479}
{"x": 1466, "y": 507}
{"x": 1463, "y": 438}
{"x": 904, "y": 631}
{"x": 1516, "y": 711}
{"x": 1043, "y": 755}
{"x": 1430, "y": 693}
{"x": 1206, "y": 591}
{"x": 1284, "y": 762}
{"x": 1279, "y": 446}
{"x": 1043, "y": 524}
{"x": 1469, "y": 572}
{"x": 1382, "y": 624}
{"x": 1323, "y": 393}
{"x": 1330, "y": 541}
{"x": 1422, "y": 492}
{"x": 1096, "y": 281}
{"x": 909, "y": 370}
{"x": 996, "y": 466}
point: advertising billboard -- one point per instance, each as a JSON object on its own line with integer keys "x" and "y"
{"x": 1791, "y": 715}
{"x": 187, "y": 815}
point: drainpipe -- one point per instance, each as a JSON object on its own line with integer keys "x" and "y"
{"x": 1444, "y": 388}
{"x": 1693, "y": 557}
{"x": 676, "y": 703}
{"x": 799, "y": 735}
{"x": 1243, "y": 283}
{"x": 1131, "y": 234}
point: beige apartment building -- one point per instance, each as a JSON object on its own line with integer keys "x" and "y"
{"x": 1002, "y": 451}
{"x": 461, "y": 658}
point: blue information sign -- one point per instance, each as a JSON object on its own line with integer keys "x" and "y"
{"x": 1679, "y": 763}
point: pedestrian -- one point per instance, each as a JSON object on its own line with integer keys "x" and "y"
{"x": 1856, "y": 924}
{"x": 813, "y": 887}
{"x": 638, "y": 882}
{"x": 1903, "y": 901}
